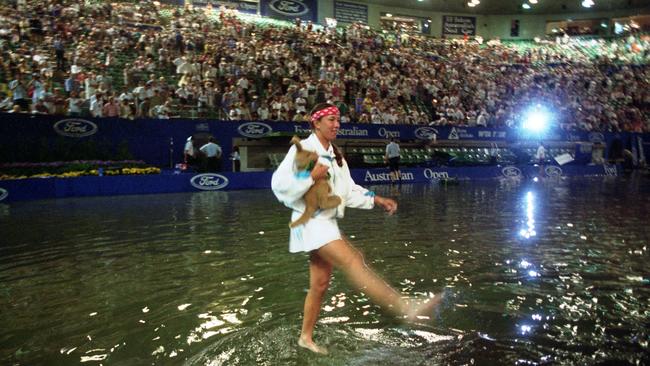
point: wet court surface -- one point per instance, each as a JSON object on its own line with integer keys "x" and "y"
{"x": 554, "y": 272}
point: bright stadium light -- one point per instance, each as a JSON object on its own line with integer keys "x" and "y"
{"x": 525, "y": 6}
{"x": 536, "y": 119}
{"x": 532, "y": 1}
{"x": 588, "y": 3}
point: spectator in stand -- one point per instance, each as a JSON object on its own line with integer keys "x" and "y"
{"x": 36, "y": 88}
{"x": 591, "y": 84}
{"x": 161, "y": 111}
{"x": 144, "y": 107}
{"x": 59, "y": 52}
{"x": 19, "y": 91}
{"x": 5, "y": 102}
{"x": 235, "y": 113}
{"x": 39, "y": 107}
{"x": 126, "y": 109}
{"x": 97, "y": 105}
{"x": 111, "y": 108}
{"x": 263, "y": 112}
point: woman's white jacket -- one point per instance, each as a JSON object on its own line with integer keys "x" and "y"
{"x": 290, "y": 185}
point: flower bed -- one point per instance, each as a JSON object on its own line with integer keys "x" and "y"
{"x": 77, "y": 168}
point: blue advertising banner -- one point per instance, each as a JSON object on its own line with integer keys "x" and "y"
{"x": 345, "y": 12}
{"x": 458, "y": 25}
{"x": 306, "y": 10}
{"x": 171, "y": 182}
{"x": 158, "y": 142}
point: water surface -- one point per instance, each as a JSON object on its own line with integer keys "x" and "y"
{"x": 553, "y": 272}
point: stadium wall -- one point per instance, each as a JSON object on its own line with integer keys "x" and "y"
{"x": 29, "y": 138}
{"x": 176, "y": 182}
{"x": 487, "y": 26}
{"x": 531, "y": 26}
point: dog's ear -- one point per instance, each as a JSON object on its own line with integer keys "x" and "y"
{"x": 296, "y": 141}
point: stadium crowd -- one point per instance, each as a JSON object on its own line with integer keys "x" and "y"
{"x": 147, "y": 60}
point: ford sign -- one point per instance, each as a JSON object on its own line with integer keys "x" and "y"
{"x": 426, "y": 133}
{"x": 289, "y": 8}
{"x": 553, "y": 171}
{"x": 254, "y": 129}
{"x": 3, "y": 194}
{"x": 74, "y": 127}
{"x": 511, "y": 172}
{"x": 209, "y": 181}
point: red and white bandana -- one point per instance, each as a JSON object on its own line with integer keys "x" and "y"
{"x": 325, "y": 112}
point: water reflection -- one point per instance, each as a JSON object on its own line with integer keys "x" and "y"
{"x": 529, "y": 231}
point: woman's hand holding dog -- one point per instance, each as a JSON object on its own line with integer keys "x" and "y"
{"x": 319, "y": 172}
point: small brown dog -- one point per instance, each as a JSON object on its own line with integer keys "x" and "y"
{"x": 318, "y": 195}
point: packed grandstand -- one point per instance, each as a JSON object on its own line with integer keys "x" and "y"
{"x": 151, "y": 60}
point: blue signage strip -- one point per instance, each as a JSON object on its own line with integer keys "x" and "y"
{"x": 346, "y": 12}
{"x": 458, "y": 25}
{"x": 306, "y": 10}
{"x": 169, "y": 182}
{"x": 158, "y": 142}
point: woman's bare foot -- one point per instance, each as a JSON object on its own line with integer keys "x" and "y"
{"x": 310, "y": 345}
{"x": 424, "y": 310}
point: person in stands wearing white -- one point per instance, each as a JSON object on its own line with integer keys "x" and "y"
{"x": 212, "y": 153}
{"x": 320, "y": 236}
{"x": 189, "y": 153}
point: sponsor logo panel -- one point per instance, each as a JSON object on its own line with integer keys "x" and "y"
{"x": 209, "y": 181}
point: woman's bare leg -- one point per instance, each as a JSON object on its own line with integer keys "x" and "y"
{"x": 349, "y": 260}
{"x": 320, "y": 272}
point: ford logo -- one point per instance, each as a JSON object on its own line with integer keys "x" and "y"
{"x": 511, "y": 172}
{"x": 426, "y": 133}
{"x": 74, "y": 127}
{"x": 553, "y": 171}
{"x": 596, "y": 137}
{"x": 3, "y": 194}
{"x": 289, "y": 8}
{"x": 209, "y": 181}
{"x": 254, "y": 129}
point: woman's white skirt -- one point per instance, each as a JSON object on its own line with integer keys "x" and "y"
{"x": 313, "y": 235}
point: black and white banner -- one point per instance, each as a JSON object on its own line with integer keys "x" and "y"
{"x": 458, "y": 25}
{"x": 346, "y": 12}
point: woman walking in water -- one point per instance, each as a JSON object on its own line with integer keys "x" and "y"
{"x": 320, "y": 236}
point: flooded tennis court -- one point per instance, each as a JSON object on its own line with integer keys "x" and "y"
{"x": 550, "y": 272}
